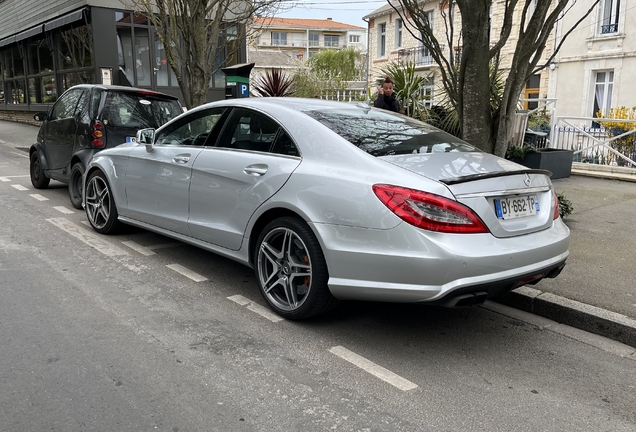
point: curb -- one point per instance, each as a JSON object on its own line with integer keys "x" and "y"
{"x": 573, "y": 313}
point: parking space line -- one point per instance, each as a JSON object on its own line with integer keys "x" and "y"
{"x": 20, "y": 154}
{"x": 15, "y": 176}
{"x": 187, "y": 273}
{"x": 39, "y": 197}
{"x": 87, "y": 237}
{"x": 20, "y": 187}
{"x": 255, "y": 307}
{"x": 374, "y": 369}
{"x": 5, "y": 179}
{"x": 63, "y": 210}
{"x": 138, "y": 248}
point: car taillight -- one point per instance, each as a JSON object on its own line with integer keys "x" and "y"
{"x": 556, "y": 206}
{"x": 97, "y": 134}
{"x": 429, "y": 211}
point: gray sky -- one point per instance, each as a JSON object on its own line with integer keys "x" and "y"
{"x": 346, "y": 11}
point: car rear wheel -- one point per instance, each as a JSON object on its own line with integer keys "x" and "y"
{"x": 39, "y": 180}
{"x": 75, "y": 186}
{"x": 100, "y": 205}
{"x": 291, "y": 270}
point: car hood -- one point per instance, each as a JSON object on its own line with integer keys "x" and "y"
{"x": 450, "y": 166}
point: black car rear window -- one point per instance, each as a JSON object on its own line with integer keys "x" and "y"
{"x": 136, "y": 110}
{"x": 381, "y": 133}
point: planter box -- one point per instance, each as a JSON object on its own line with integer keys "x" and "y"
{"x": 557, "y": 161}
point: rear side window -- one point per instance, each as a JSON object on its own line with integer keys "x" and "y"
{"x": 65, "y": 106}
{"x": 381, "y": 133}
{"x": 138, "y": 111}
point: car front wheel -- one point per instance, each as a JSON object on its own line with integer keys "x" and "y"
{"x": 291, "y": 270}
{"x": 100, "y": 205}
{"x": 75, "y": 186}
{"x": 39, "y": 180}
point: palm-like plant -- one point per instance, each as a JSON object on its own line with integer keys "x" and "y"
{"x": 445, "y": 116}
{"x": 273, "y": 83}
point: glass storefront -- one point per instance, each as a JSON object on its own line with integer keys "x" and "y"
{"x": 38, "y": 68}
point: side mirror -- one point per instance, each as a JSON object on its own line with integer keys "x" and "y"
{"x": 41, "y": 116}
{"x": 146, "y": 137}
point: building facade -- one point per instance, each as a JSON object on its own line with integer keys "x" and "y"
{"x": 391, "y": 41}
{"x": 595, "y": 69}
{"x": 302, "y": 38}
{"x": 47, "y": 47}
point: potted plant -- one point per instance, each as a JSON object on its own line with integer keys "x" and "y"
{"x": 557, "y": 161}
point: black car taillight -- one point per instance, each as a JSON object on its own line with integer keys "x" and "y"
{"x": 98, "y": 134}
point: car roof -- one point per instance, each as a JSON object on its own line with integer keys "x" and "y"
{"x": 117, "y": 88}
{"x": 278, "y": 104}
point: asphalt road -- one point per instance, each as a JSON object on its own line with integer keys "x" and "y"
{"x": 114, "y": 333}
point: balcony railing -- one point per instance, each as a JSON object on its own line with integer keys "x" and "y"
{"x": 419, "y": 56}
{"x": 300, "y": 43}
{"x": 609, "y": 28}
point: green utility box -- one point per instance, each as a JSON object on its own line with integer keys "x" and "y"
{"x": 237, "y": 79}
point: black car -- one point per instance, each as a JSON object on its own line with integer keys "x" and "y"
{"x": 86, "y": 119}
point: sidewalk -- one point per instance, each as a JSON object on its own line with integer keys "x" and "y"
{"x": 597, "y": 289}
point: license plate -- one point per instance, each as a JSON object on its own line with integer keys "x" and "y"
{"x": 516, "y": 207}
{"x": 131, "y": 139}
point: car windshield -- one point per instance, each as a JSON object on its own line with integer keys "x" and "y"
{"x": 138, "y": 111}
{"x": 381, "y": 133}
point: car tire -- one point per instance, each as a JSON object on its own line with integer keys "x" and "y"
{"x": 39, "y": 180}
{"x": 291, "y": 270}
{"x": 101, "y": 210}
{"x": 75, "y": 186}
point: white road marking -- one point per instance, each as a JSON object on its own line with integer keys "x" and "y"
{"x": 255, "y": 307}
{"x": 87, "y": 223}
{"x": 63, "y": 210}
{"x": 39, "y": 197}
{"x": 187, "y": 273}
{"x": 264, "y": 312}
{"x": 373, "y": 369}
{"x": 20, "y": 187}
{"x": 240, "y": 300}
{"x": 138, "y": 248}
{"x": 87, "y": 237}
{"x": 2, "y": 141}
{"x": 18, "y": 176}
{"x": 5, "y": 179}
{"x": 20, "y": 154}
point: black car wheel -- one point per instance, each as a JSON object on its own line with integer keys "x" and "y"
{"x": 39, "y": 180}
{"x": 75, "y": 186}
{"x": 100, "y": 205}
{"x": 291, "y": 270}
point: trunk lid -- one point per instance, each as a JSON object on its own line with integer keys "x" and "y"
{"x": 510, "y": 199}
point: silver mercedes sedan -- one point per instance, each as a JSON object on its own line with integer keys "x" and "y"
{"x": 330, "y": 201}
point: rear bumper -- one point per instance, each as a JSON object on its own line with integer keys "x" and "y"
{"x": 406, "y": 264}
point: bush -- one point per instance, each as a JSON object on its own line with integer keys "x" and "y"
{"x": 565, "y": 206}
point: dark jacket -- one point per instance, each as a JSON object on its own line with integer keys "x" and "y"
{"x": 388, "y": 103}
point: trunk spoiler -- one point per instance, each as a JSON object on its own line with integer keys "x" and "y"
{"x": 473, "y": 177}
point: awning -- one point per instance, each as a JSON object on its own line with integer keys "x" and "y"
{"x": 28, "y": 33}
{"x": 7, "y": 41}
{"x": 63, "y": 20}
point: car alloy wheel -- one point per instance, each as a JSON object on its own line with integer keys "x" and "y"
{"x": 291, "y": 270}
{"x": 100, "y": 206}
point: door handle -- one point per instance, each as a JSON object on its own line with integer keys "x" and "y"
{"x": 181, "y": 159}
{"x": 256, "y": 170}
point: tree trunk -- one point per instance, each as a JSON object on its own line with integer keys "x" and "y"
{"x": 475, "y": 115}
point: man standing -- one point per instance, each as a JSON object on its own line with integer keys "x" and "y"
{"x": 386, "y": 97}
